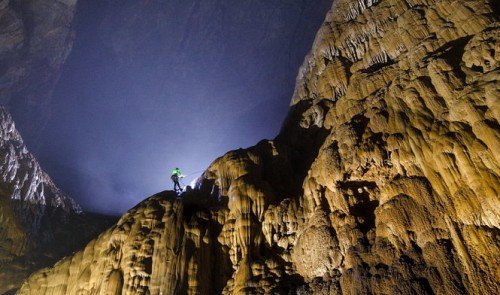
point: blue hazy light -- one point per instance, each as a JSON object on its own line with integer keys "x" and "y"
{"x": 150, "y": 86}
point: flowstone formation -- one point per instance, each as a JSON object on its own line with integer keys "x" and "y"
{"x": 407, "y": 178}
{"x": 383, "y": 180}
{"x": 38, "y": 222}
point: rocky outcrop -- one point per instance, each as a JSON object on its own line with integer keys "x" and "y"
{"x": 383, "y": 180}
{"x": 38, "y": 222}
{"x": 406, "y": 181}
{"x": 155, "y": 237}
{"x": 21, "y": 173}
{"x": 35, "y": 38}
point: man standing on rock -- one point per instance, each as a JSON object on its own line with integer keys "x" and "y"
{"x": 176, "y": 174}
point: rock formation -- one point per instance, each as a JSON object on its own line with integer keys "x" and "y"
{"x": 38, "y": 222}
{"x": 383, "y": 180}
{"x": 35, "y": 38}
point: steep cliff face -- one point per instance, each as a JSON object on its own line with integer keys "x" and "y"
{"x": 35, "y": 39}
{"x": 38, "y": 222}
{"x": 384, "y": 179}
{"x": 21, "y": 173}
{"x": 407, "y": 177}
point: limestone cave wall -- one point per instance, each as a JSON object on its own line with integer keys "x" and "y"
{"x": 36, "y": 37}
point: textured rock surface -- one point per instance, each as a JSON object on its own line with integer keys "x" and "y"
{"x": 384, "y": 179}
{"x": 35, "y": 39}
{"x": 162, "y": 236}
{"x": 38, "y": 222}
{"x": 21, "y": 173}
{"x": 408, "y": 174}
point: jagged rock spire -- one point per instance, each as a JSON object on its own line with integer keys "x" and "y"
{"x": 22, "y": 174}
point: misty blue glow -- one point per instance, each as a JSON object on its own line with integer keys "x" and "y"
{"x": 154, "y": 85}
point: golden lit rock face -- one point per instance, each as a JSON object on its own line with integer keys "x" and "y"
{"x": 408, "y": 174}
{"x": 384, "y": 179}
{"x": 162, "y": 246}
{"x": 150, "y": 239}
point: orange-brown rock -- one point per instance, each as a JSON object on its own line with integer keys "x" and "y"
{"x": 383, "y": 180}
